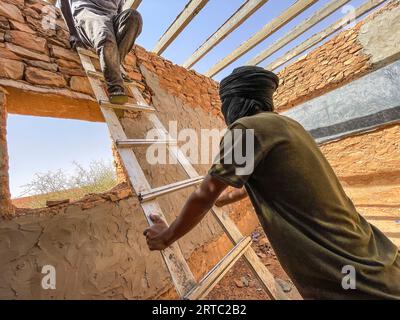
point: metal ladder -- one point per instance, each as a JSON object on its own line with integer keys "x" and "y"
{"x": 182, "y": 277}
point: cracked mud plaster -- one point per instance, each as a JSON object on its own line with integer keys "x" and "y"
{"x": 98, "y": 253}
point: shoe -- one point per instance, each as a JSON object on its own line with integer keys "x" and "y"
{"x": 118, "y": 97}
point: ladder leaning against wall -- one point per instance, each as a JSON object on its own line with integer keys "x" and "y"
{"x": 182, "y": 277}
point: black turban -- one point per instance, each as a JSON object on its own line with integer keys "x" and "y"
{"x": 247, "y": 91}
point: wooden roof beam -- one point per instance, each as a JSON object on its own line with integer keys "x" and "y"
{"x": 368, "y": 6}
{"x": 292, "y": 12}
{"x": 133, "y": 4}
{"x": 240, "y": 16}
{"x": 297, "y": 31}
{"x": 180, "y": 23}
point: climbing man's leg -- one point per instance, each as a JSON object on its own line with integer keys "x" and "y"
{"x": 98, "y": 30}
{"x": 128, "y": 26}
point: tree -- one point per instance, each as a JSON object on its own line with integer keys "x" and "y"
{"x": 98, "y": 177}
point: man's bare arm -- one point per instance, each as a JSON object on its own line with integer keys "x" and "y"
{"x": 69, "y": 20}
{"x": 159, "y": 236}
{"x": 231, "y": 197}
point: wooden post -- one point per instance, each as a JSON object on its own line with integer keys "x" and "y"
{"x": 6, "y": 208}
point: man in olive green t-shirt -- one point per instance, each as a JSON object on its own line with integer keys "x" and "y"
{"x": 312, "y": 225}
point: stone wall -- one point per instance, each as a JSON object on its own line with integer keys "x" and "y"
{"x": 320, "y": 71}
{"x": 190, "y": 87}
{"x": 370, "y": 158}
{"x": 347, "y": 56}
{"x": 35, "y": 60}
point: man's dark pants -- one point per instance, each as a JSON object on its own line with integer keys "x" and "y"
{"x": 112, "y": 37}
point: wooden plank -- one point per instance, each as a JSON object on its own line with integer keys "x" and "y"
{"x": 317, "y": 38}
{"x": 180, "y": 23}
{"x": 133, "y": 4}
{"x": 297, "y": 31}
{"x": 89, "y": 53}
{"x": 240, "y": 16}
{"x": 181, "y": 274}
{"x": 297, "y": 8}
{"x": 217, "y": 273}
{"x": 265, "y": 277}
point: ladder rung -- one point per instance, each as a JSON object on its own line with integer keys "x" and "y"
{"x": 217, "y": 273}
{"x": 95, "y": 74}
{"x": 129, "y": 143}
{"x": 88, "y": 53}
{"x": 157, "y": 192}
{"x": 100, "y": 76}
{"x": 127, "y": 106}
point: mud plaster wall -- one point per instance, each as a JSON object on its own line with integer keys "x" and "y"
{"x": 6, "y": 207}
{"x": 368, "y": 167}
{"x": 96, "y": 244}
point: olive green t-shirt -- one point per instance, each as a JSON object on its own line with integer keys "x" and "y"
{"x": 314, "y": 228}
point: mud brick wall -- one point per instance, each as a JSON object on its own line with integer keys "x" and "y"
{"x": 346, "y": 57}
{"x": 368, "y": 158}
{"x": 320, "y": 71}
{"x": 190, "y": 87}
{"x": 37, "y": 59}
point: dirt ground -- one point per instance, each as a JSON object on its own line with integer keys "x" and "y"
{"x": 240, "y": 283}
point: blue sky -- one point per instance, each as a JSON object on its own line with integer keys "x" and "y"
{"x": 42, "y": 144}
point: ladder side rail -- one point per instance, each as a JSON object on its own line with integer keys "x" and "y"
{"x": 180, "y": 272}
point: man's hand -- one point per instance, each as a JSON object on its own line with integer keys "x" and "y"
{"x": 74, "y": 39}
{"x": 159, "y": 236}
{"x": 75, "y": 42}
{"x": 156, "y": 235}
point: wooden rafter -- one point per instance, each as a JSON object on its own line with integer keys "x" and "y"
{"x": 180, "y": 23}
{"x": 297, "y": 31}
{"x": 133, "y": 4}
{"x": 240, "y": 16}
{"x": 297, "y": 8}
{"x": 317, "y": 38}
